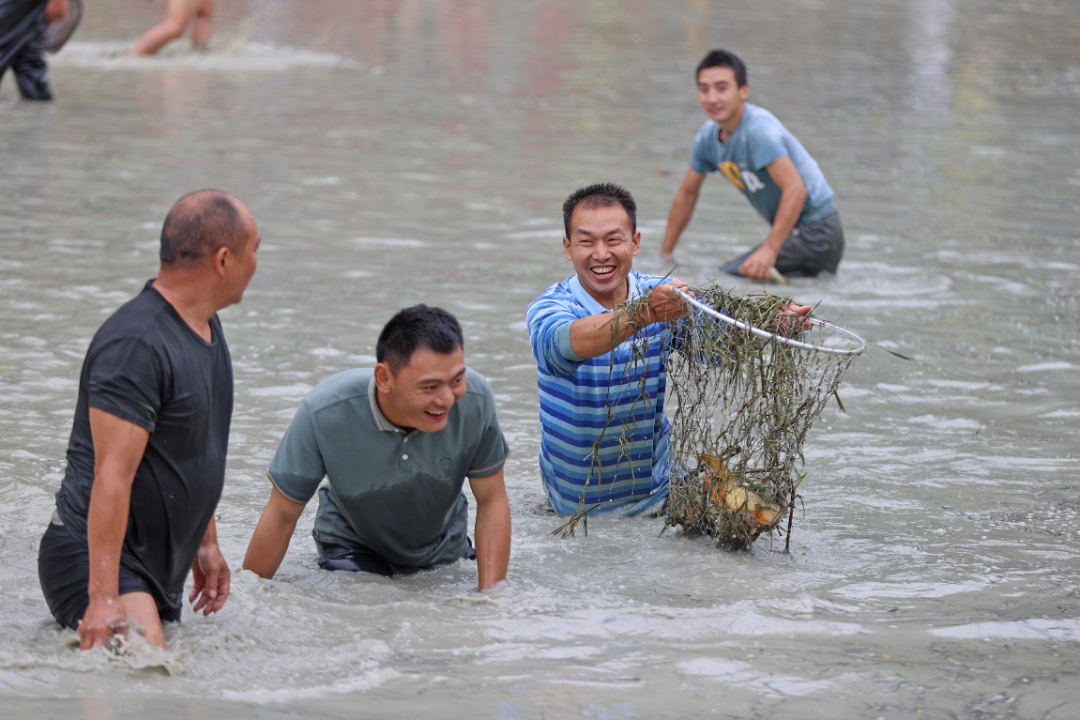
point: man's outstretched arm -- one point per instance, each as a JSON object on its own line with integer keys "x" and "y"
{"x": 118, "y": 449}
{"x": 792, "y": 199}
{"x": 682, "y": 209}
{"x": 492, "y": 528}
{"x": 272, "y": 535}
{"x": 598, "y": 334}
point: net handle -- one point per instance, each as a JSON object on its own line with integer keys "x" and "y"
{"x": 779, "y": 338}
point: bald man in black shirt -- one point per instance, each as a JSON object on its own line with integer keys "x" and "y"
{"x": 146, "y": 458}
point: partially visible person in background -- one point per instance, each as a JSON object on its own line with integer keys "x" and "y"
{"x": 178, "y": 15}
{"x": 22, "y": 43}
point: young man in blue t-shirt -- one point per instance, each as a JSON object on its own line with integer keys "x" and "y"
{"x": 758, "y": 155}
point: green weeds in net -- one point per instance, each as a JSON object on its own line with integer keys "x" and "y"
{"x": 743, "y": 407}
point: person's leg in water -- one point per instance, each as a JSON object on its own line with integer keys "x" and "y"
{"x": 22, "y": 27}
{"x": 30, "y": 70}
{"x": 64, "y": 573}
{"x": 200, "y": 32}
{"x": 141, "y": 608}
{"x": 348, "y": 557}
{"x": 812, "y": 248}
{"x": 178, "y": 15}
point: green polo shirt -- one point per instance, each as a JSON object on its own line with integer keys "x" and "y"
{"x": 398, "y": 492}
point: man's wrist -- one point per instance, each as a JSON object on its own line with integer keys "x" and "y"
{"x": 104, "y": 597}
{"x": 773, "y": 243}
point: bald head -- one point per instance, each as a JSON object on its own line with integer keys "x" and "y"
{"x": 200, "y": 223}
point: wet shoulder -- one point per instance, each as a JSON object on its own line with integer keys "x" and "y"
{"x": 340, "y": 387}
{"x": 142, "y": 317}
{"x": 478, "y": 402}
{"x": 557, "y": 297}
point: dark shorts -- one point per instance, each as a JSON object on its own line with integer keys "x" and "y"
{"x": 335, "y": 554}
{"x": 813, "y": 247}
{"x": 64, "y": 571}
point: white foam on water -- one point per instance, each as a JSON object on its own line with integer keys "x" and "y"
{"x": 738, "y": 673}
{"x": 367, "y": 680}
{"x": 1066, "y": 630}
{"x": 389, "y": 242}
{"x": 326, "y": 352}
{"x": 740, "y": 620}
{"x": 1060, "y": 414}
{"x": 867, "y": 590}
{"x": 506, "y": 652}
{"x": 946, "y": 423}
{"x": 1043, "y": 367}
{"x": 248, "y": 56}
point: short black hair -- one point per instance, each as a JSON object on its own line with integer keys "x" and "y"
{"x": 414, "y": 327}
{"x": 200, "y": 223}
{"x": 723, "y": 58}
{"x": 600, "y": 195}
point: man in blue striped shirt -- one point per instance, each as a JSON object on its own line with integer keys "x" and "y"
{"x": 589, "y": 392}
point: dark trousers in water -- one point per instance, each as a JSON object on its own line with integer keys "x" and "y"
{"x": 64, "y": 572}
{"x": 22, "y": 46}
{"x": 811, "y": 248}
{"x": 352, "y": 557}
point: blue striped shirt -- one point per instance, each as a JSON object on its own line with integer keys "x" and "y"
{"x": 630, "y": 472}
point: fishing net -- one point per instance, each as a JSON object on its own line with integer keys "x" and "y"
{"x": 57, "y": 33}
{"x": 746, "y": 398}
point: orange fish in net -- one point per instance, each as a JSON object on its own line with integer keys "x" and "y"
{"x": 726, "y": 490}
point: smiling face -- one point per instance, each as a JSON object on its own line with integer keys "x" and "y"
{"x": 602, "y": 246}
{"x": 721, "y": 97}
{"x": 420, "y": 394}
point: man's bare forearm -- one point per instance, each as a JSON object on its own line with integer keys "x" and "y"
{"x": 598, "y": 334}
{"x": 493, "y": 540}
{"x": 210, "y": 536}
{"x": 787, "y": 216}
{"x": 682, "y": 209}
{"x": 106, "y": 526}
{"x": 272, "y": 535}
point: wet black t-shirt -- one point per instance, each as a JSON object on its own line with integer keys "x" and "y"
{"x": 147, "y": 366}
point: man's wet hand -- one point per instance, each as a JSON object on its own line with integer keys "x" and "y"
{"x": 56, "y": 10}
{"x": 664, "y": 304}
{"x": 212, "y": 580}
{"x": 757, "y": 266}
{"x": 791, "y": 319}
{"x": 104, "y": 617}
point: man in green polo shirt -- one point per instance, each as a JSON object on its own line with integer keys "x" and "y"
{"x": 395, "y": 445}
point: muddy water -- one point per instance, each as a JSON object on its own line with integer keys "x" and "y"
{"x": 398, "y": 152}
